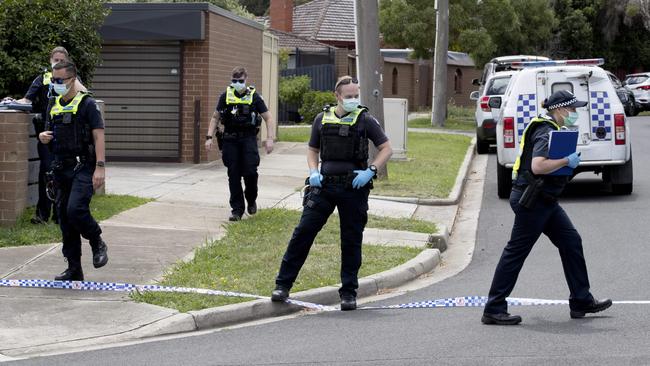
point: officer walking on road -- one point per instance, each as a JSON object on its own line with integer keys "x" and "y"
{"x": 39, "y": 94}
{"x": 236, "y": 122}
{"x": 340, "y": 135}
{"x": 539, "y": 212}
{"x": 76, "y": 132}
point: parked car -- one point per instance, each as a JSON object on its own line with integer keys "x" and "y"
{"x": 640, "y": 86}
{"x": 502, "y": 63}
{"x": 495, "y": 85}
{"x": 625, "y": 95}
{"x": 604, "y": 135}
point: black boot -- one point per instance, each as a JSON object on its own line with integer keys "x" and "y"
{"x": 73, "y": 273}
{"x": 100, "y": 255}
{"x": 280, "y": 294}
{"x": 348, "y": 302}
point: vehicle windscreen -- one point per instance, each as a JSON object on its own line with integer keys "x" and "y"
{"x": 636, "y": 79}
{"x": 497, "y": 86}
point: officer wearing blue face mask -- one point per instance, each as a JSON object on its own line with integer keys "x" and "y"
{"x": 340, "y": 136}
{"x": 236, "y": 122}
{"x": 75, "y": 131}
{"x": 534, "y": 202}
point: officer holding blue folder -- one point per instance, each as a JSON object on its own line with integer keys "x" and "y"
{"x": 534, "y": 202}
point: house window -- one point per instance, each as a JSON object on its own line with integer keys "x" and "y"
{"x": 458, "y": 81}
{"x": 395, "y": 78}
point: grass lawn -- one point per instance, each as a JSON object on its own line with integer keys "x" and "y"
{"x": 458, "y": 118}
{"x": 645, "y": 113}
{"x": 294, "y": 134}
{"x": 26, "y": 233}
{"x": 248, "y": 257}
{"x": 430, "y": 172}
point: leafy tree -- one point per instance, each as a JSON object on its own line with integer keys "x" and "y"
{"x": 409, "y": 23}
{"x": 291, "y": 89}
{"x": 31, "y": 29}
{"x": 257, "y": 7}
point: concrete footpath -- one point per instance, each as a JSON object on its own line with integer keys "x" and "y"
{"x": 191, "y": 208}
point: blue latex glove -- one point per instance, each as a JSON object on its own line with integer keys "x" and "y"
{"x": 574, "y": 160}
{"x": 362, "y": 178}
{"x": 315, "y": 178}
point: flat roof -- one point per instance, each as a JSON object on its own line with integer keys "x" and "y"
{"x": 162, "y": 21}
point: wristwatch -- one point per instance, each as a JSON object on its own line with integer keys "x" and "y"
{"x": 101, "y": 163}
{"x": 208, "y": 137}
{"x": 373, "y": 169}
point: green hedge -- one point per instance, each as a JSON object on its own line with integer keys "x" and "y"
{"x": 313, "y": 103}
{"x": 29, "y": 30}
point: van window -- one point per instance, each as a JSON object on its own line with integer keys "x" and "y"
{"x": 561, "y": 86}
{"x": 497, "y": 86}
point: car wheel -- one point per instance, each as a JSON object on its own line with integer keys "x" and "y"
{"x": 482, "y": 147}
{"x": 622, "y": 177}
{"x": 504, "y": 181}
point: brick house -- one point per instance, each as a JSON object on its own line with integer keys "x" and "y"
{"x": 332, "y": 22}
{"x": 164, "y": 67}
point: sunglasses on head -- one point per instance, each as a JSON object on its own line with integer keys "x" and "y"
{"x": 346, "y": 82}
{"x": 60, "y": 80}
{"x": 238, "y": 80}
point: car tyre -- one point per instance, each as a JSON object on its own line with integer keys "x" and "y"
{"x": 622, "y": 178}
{"x": 504, "y": 181}
{"x": 482, "y": 147}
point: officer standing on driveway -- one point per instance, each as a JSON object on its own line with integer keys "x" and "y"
{"x": 538, "y": 212}
{"x": 236, "y": 122}
{"x": 76, "y": 132}
{"x": 340, "y": 135}
{"x": 39, "y": 94}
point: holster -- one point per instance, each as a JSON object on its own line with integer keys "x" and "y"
{"x": 532, "y": 192}
{"x": 220, "y": 140}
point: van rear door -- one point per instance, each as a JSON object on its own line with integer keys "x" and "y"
{"x": 549, "y": 82}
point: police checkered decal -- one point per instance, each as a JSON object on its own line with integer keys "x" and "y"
{"x": 526, "y": 110}
{"x": 601, "y": 114}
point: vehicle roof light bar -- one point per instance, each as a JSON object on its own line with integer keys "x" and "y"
{"x": 583, "y": 62}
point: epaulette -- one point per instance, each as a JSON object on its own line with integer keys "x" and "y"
{"x": 326, "y": 107}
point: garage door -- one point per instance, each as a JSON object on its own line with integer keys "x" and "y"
{"x": 140, "y": 87}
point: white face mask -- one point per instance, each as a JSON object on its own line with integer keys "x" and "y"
{"x": 240, "y": 87}
{"x": 61, "y": 89}
{"x": 351, "y": 104}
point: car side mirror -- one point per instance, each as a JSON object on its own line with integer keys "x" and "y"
{"x": 474, "y": 95}
{"x": 494, "y": 103}
{"x": 476, "y": 82}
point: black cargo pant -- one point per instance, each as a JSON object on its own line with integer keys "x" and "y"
{"x": 75, "y": 190}
{"x": 544, "y": 218}
{"x": 241, "y": 156}
{"x": 352, "y": 206}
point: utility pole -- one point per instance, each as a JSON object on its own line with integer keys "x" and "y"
{"x": 439, "y": 104}
{"x": 369, "y": 63}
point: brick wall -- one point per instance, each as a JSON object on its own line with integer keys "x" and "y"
{"x": 207, "y": 69}
{"x": 405, "y": 82}
{"x": 14, "y": 135}
{"x": 467, "y": 74}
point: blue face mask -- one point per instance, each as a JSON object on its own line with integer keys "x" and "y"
{"x": 571, "y": 119}
{"x": 238, "y": 86}
{"x": 351, "y": 104}
{"x": 61, "y": 89}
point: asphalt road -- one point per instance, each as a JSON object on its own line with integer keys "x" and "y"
{"x": 615, "y": 231}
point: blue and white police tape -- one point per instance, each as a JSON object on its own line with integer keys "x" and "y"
{"x": 451, "y": 302}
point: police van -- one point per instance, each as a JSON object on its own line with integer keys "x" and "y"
{"x": 604, "y": 133}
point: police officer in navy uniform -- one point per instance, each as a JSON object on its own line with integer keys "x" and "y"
{"x": 39, "y": 94}
{"x": 340, "y": 135}
{"x": 236, "y": 122}
{"x": 541, "y": 214}
{"x": 76, "y": 132}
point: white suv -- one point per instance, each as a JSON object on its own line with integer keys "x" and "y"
{"x": 495, "y": 85}
{"x": 640, "y": 86}
{"x": 604, "y": 140}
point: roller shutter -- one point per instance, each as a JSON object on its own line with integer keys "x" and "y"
{"x": 140, "y": 85}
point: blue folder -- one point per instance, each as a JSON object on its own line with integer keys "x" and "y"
{"x": 560, "y": 145}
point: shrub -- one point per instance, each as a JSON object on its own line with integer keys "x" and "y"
{"x": 291, "y": 89}
{"x": 31, "y": 29}
{"x": 313, "y": 103}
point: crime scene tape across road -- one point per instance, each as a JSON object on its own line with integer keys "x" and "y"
{"x": 464, "y": 301}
